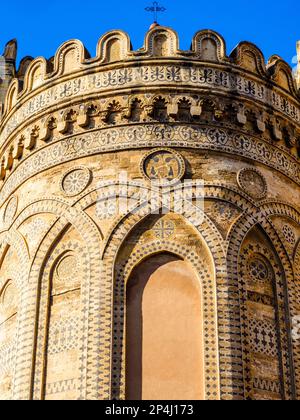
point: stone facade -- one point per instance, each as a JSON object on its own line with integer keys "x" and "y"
{"x": 69, "y": 127}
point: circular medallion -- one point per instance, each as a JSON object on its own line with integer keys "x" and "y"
{"x": 163, "y": 166}
{"x": 10, "y": 210}
{"x": 76, "y": 181}
{"x": 253, "y": 183}
{"x": 258, "y": 269}
{"x": 67, "y": 269}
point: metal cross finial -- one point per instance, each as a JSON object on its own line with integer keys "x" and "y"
{"x": 155, "y": 9}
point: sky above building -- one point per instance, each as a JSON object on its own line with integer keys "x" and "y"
{"x": 41, "y": 27}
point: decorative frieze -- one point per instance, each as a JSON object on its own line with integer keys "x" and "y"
{"x": 174, "y": 76}
{"x": 147, "y": 136}
{"x": 75, "y": 181}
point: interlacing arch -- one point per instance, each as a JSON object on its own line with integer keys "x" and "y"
{"x": 102, "y": 253}
{"x": 66, "y": 216}
{"x": 253, "y": 210}
{"x": 261, "y": 281}
{"x": 59, "y": 250}
{"x": 13, "y": 240}
{"x": 128, "y": 225}
{"x": 284, "y": 210}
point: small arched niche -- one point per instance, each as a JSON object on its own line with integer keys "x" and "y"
{"x": 114, "y": 50}
{"x": 161, "y": 45}
{"x": 164, "y": 331}
{"x": 209, "y": 46}
{"x": 209, "y": 49}
{"x": 161, "y": 42}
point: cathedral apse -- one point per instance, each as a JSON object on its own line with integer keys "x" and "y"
{"x": 114, "y": 283}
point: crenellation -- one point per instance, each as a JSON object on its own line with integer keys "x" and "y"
{"x": 7, "y": 70}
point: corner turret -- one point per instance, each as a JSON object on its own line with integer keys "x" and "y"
{"x": 7, "y": 69}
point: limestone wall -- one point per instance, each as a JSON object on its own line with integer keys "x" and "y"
{"x": 69, "y": 130}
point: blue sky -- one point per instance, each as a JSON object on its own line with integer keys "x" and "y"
{"x": 42, "y": 27}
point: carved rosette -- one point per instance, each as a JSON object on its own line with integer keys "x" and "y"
{"x": 75, "y": 181}
{"x": 67, "y": 269}
{"x": 253, "y": 183}
{"x": 163, "y": 166}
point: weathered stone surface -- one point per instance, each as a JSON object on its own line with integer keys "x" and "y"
{"x": 80, "y": 141}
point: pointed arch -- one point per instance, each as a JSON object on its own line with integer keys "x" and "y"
{"x": 37, "y": 288}
{"x": 276, "y": 253}
{"x": 204, "y": 271}
{"x": 162, "y": 291}
{"x": 213, "y": 242}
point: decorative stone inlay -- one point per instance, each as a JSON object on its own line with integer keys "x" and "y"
{"x": 76, "y": 181}
{"x": 164, "y": 229}
{"x": 258, "y": 270}
{"x": 223, "y": 215}
{"x": 163, "y": 165}
{"x": 7, "y": 357}
{"x": 107, "y": 209}
{"x": 11, "y": 210}
{"x": 223, "y": 212}
{"x": 34, "y": 231}
{"x": 289, "y": 234}
{"x": 296, "y": 328}
{"x": 253, "y": 183}
{"x": 64, "y": 334}
{"x": 149, "y": 135}
{"x": 67, "y": 268}
{"x": 297, "y": 262}
{"x": 177, "y": 75}
{"x": 263, "y": 319}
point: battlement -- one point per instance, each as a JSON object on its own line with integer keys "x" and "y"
{"x": 160, "y": 43}
{"x": 7, "y": 69}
